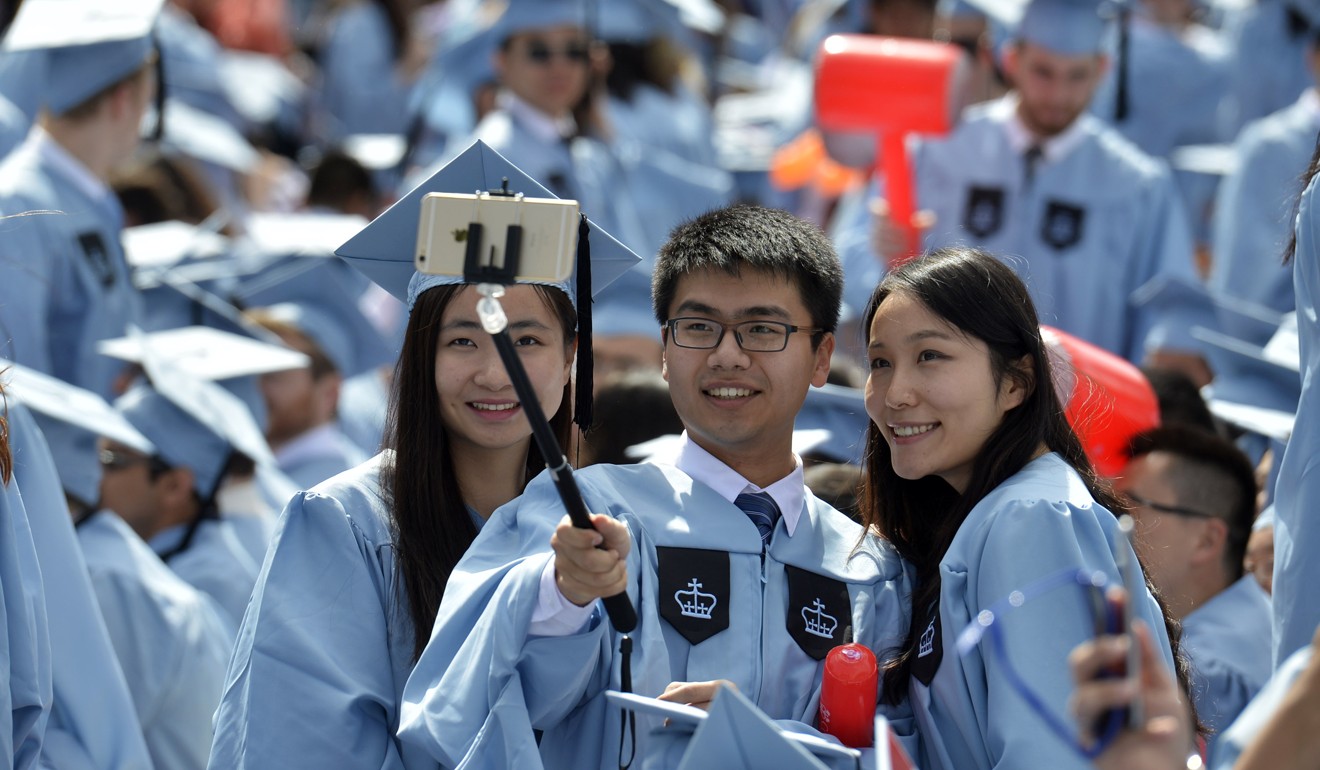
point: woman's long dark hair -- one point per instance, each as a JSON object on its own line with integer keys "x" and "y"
{"x": 1312, "y": 169}
{"x": 6, "y": 463}
{"x": 432, "y": 529}
{"x": 981, "y": 297}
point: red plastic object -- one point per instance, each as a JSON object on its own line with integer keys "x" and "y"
{"x": 1107, "y": 400}
{"x": 848, "y": 694}
{"x": 895, "y": 87}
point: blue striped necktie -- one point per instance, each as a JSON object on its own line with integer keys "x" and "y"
{"x": 761, "y": 509}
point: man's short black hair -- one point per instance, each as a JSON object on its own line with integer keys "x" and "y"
{"x": 1210, "y": 475}
{"x": 768, "y": 240}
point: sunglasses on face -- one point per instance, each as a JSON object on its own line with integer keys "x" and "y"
{"x": 118, "y": 460}
{"x": 540, "y": 52}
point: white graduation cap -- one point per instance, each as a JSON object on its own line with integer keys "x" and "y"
{"x": 163, "y": 244}
{"x": 206, "y": 353}
{"x": 90, "y": 44}
{"x": 303, "y": 233}
{"x": 201, "y": 135}
{"x": 1209, "y": 159}
{"x": 376, "y": 152}
{"x": 258, "y": 85}
{"x": 71, "y": 404}
{"x": 1271, "y": 423}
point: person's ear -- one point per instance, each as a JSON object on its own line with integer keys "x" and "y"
{"x": 824, "y": 352}
{"x": 1019, "y": 383}
{"x": 1210, "y": 541}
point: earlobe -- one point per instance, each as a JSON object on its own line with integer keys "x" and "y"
{"x": 824, "y": 352}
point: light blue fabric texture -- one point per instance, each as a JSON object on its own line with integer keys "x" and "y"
{"x": 324, "y": 651}
{"x": 1267, "y": 63}
{"x": 1297, "y": 490}
{"x": 1226, "y": 640}
{"x": 1039, "y": 521}
{"x": 363, "y": 400}
{"x": 360, "y": 89}
{"x": 1259, "y": 712}
{"x": 83, "y": 732}
{"x": 171, "y": 642}
{"x": 1256, "y": 205}
{"x": 25, "y": 656}
{"x": 320, "y": 454}
{"x": 1131, "y": 228}
{"x": 482, "y": 684}
{"x": 215, "y": 563}
{"x": 65, "y": 283}
{"x": 14, "y": 125}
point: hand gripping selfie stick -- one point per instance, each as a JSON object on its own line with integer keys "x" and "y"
{"x": 491, "y": 281}
{"x": 894, "y": 87}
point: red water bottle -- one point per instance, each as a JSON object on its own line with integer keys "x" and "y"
{"x": 847, "y": 695}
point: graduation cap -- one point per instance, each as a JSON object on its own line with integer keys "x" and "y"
{"x": 201, "y": 135}
{"x": 205, "y": 353}
{"x": 384, "y": 251}
{"x": 637, "y": 21}
{"x": 193, "y": 423}
{"x": 90, "y": 44}
{"x": 320, "y": 298}
{"x": 734, "y": 734}
{"x": 71, "y": 419}
{"x": 838, "y": 413}
{"x": 524, "y": 15}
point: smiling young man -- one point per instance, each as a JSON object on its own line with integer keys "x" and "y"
{"x": 749, "y": 594}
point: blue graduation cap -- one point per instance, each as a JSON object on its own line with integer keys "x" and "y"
{"x": 524, "y": 15}
{"x": 733, "y": 734}
{"x": 193, "y": 423}
{"x": 71, "y": 419}
{"x": 1071, "y": 27}
{"x": 320, "y": 298}
{"x": 385, "y": 249}
{"x": 837, "y": 415}
{"x": 636, "y": 21}
{"x": 90, "y": 44}
{"x": 624, "y": 309}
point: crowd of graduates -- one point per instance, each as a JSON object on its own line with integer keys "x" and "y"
{"x": 270, "y": 498}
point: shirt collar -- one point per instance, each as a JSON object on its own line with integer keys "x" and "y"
{"x": 789, "y": 493}
{"x": 54, "y": 155}
{"x": 1021, "y": 139}
{"x": 541, "y": 125}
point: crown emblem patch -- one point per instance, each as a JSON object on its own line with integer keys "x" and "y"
{"x": 695, "y": 604}
{"x": 694, "y": 591}
{"x": 819, "y": 614}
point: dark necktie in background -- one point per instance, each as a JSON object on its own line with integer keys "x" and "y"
{"x": 1032, "y": 158}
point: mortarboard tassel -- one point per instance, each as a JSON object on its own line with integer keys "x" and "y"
{"x": 158, "y": 132}
{"x": 1121, "y": 91}
{"x": 582, "y": 397}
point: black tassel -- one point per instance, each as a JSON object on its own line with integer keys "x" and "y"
{"x": 582, "y": 398}
{"x": 159, "y": 131}
{"x": 1121, "y": 91}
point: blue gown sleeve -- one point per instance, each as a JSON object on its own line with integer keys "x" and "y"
{"x": 310, "y": 683}
{"x": 481, "y": 686}
{"x": 1163, "y": 247}
{"x": 1297, "y": 491}
{"x": 1023, "y": 542}
{"x": 25, "y": 645}
{"x": 83, "y": 732}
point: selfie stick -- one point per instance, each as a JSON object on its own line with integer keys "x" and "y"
{"x": 490, "y": 285}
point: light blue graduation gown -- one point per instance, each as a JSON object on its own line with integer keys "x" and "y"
{"x": 482, "y": 684}
{"x": 363, "y": 401}
{"x": 360, "y": 91}
{"x": 332, "y": 453}
{"x": 1132, "y": 225}
{"x": 679, "y": 123}
{"x": 1256, "y": 206}
{"x": 1267, "y": 63}
{"x": 215, "y": 563}
{"x": 83, "y": 732}
{"x": 1039, "y": 521}
{"x": 64, "y": 284}
{"x": 170, "y": 640}
{"x": 14, "y": 125}
{"x": 1259, "y": 712}
{"x": 1297, "y": 490}
{"x": 327, "y": 643}
{"x": 1230, "y": 652}
{"x": 669, "y": 188}
{"x": 191, "y": 59}
{"x": 25, "y": 658}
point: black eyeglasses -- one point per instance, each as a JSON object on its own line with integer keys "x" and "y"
{"x": 752, "y": 336}
{"x": 541, "y": 53}
{"x": 1136, "y": 500}
{"x": 118, "y": 460}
